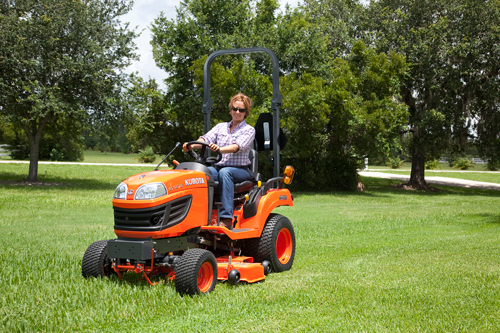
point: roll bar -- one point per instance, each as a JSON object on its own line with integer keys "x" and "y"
{"x": 208, "y": 102}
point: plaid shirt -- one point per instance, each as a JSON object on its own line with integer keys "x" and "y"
{"x": 243, "y": 135}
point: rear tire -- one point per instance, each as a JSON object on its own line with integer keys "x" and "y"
{"x": 276, "y": 244}
{"x": 196, "y": 272}
{"x": 95, "y": 261}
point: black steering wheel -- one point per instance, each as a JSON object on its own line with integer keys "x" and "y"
{"x": 201, "y": 158}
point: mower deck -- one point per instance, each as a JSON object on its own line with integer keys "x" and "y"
{"x": 227, "y": 268}
{"x": 249, "y": 271}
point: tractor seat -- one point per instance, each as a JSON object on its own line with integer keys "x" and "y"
{"x": 247, "y": 185}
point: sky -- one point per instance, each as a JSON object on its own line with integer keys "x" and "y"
{"x": 141, "y": 16}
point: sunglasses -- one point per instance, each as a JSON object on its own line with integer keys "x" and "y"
{"x": 239, "y": 109}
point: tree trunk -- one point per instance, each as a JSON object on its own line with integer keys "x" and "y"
{"x": 34, "y": 137}
{"x": 417, "y": 177}
{"x": 34, "y": 153}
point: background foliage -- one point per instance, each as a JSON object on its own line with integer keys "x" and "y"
{"x": 453, "y": 47}
{"x": 349, "y": 72}
{"x": 335, "y": 111}
{"x": 60, "y": 64}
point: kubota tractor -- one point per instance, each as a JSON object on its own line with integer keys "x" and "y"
{"x": 167, "y": 221}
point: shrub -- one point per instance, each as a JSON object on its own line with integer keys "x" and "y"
{"x": 395, "y": 163}
{"x": 56, "y": 155}
{"x": 328, "y": 171}
{"x": 493, "y": 165}
{"x": 432, "y": 165}
{"x": 463, "y": 164}
{"x": 146, "y": 155}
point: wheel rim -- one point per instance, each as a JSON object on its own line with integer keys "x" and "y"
{"x": 284, "y": 246}
{"x": 205, "y": 277}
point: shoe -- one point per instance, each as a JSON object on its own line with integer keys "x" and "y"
{"x": 226, "y": 222}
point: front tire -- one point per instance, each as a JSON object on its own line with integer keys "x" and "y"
{"x": 276, "y": 244}
{"x": 95, "y": 261}
{"x": 196, "y": 272}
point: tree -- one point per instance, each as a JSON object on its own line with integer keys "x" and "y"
{"x": 332, "y": 124}
{"x": 328, "y": 117}
{"x": 453, "y": 49}
{"x": 61, "y": 59}
{"x": 180, "y": 47}
{"x": 340, "y": 21}
{"x": 146, "y": 123}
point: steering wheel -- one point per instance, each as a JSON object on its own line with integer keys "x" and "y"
{"x": 201, "y": 158}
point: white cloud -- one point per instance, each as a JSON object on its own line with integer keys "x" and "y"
{"x": 143, "y": 13}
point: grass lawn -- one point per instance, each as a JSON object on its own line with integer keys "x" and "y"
{"x": 493, "y": 177}
{"x": 119, "y": 158}
{"x": 381, "y": 261}
{"x": 91, "y": 156}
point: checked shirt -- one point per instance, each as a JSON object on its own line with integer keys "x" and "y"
{"x": 243, "y": 135}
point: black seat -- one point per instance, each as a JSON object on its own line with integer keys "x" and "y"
{"x": 254, "y": 165}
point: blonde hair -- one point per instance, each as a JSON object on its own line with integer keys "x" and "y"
{"x": 241, "y": 98}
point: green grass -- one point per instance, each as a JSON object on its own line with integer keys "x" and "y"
{"x": 493, "y": 177}
{"x": 91, "y": 156}
{"x": 119, "y": 158}
{"x": 381, "y": 261}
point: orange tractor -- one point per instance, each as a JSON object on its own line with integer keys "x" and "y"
{"x": 167, "y": 221}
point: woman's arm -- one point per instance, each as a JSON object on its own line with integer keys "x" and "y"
{"x": 226, "y": 149}
{"x": 184, "y": 146}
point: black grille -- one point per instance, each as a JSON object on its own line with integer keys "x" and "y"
{"x": 153, "y": 219}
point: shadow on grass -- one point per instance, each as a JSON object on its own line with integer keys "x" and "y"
{"x": 380, "y": 187}
{"x": 18, "y": 181}
{"x": 491, "y": 218}
{"x": 375, "y": 187}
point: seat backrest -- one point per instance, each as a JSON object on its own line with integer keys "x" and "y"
{"x": 254, "y": 161}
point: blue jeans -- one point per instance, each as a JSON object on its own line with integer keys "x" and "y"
{"x": 227, "y": 177}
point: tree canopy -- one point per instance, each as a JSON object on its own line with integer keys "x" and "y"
{"x": 333, "y": 108}
{"x": 354, "y": 77}
{"x": 61, "y": 60}
{"x": 452, "y": 89}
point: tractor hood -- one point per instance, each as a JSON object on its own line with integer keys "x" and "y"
{"x": 159, "y": 186}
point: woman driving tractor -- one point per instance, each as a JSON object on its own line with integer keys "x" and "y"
{"x": 234, "y": 140}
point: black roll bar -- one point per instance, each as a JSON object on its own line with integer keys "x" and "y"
{"x": 208, "y": 102}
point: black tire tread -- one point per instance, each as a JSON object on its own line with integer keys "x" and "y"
{"x": 263, "y": 248}
{"x": 93, "y": 259}
{"x": 186, "y": 271}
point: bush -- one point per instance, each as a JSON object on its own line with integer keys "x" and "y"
{"x": 146, "y": 155}
{"x": 432, "y": 165}
{"x": 493, "y": 165}
{"x": 327, "y": 172}
{"x": 463, "y": 164}
{"x": 60, "y": 148}
{"x": 395, "y": 163}
{"x": 56, "y": 155}
{"x": 21, "y": 152}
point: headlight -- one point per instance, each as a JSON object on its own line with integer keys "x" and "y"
{"x": 150, "y": 191}
{"x": 121, "y": 191}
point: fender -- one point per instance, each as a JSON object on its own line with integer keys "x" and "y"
{"x": 252, "y": 227}
{"x": 272, "y": 199}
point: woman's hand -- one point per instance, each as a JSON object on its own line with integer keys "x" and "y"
{"x": 185, "y": 148}
{"x": 213, "y": 147}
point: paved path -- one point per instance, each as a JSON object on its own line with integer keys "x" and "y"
{"x": 435, "y": 180}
